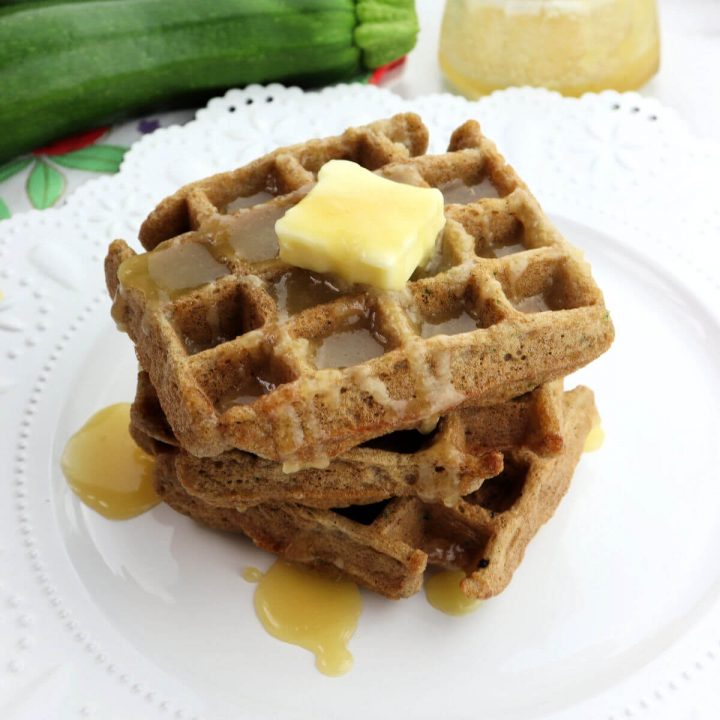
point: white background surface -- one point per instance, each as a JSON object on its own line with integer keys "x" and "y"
{"x": 688, "y": 80}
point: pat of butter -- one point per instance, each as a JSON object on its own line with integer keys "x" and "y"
{"x": 362, "y": 227}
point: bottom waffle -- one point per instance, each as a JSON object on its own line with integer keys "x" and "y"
{"x": 387, "y": 546}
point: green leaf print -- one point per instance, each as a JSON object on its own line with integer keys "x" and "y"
{"x": 4, "y": 210}
{"x": 13, "y": 167}
{"x": 98, "y": 158}
{"x": 44, "y": 185}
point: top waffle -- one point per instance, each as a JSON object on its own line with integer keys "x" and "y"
{"x": 247, "y": 352}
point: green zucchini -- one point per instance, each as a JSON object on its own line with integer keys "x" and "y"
{"x": 68, "y": 65}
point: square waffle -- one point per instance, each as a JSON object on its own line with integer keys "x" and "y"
{"x": 249, "y": 353}
{"x": 387, "y": 546}
{"x": 441, "y": 465}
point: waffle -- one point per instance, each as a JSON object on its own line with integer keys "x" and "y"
{"x": 282, "y": 172}
{"x": 387, "y": 546}
{"x": 452, "y": 460}
{"x": 244, "y": 358}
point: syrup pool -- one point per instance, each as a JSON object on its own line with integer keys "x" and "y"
{"x": 460, "y": 193}
{"x": 171, "y": 270}
{"x": 106, "y": 469}
{"x": 452, "y": 324}
{"x": 347, "y": 348}
{"x": 300, "y": 606}
{"x": 443, "y": 593}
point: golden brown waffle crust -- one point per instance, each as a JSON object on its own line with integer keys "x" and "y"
{"x": 485, "y": 535}
{"x": 463, "y": 449}
{"x": 173, "y": 216}
{"x": 315, "y": 415}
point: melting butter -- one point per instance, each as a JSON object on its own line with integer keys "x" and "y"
{"x": 362, "y": 227}
{"x": 443, "y": 593}
{"x": 299, "y": 606}
{"x": 105, "y": 468}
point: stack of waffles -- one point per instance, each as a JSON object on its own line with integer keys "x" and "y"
{"x": 365, "y": 432}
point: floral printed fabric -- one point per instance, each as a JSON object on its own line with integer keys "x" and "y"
{"x": 46, "y": 176}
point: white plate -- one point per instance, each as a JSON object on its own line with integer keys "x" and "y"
{"x": 614, "y": 612}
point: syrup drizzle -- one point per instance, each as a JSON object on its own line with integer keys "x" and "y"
{"x": 347, "y": 348}
{"x": 299, "y": 606}
{"x": 443, "y": 593}
{"x": 451, "y": 324}
{"x": 298, "y": 289}
{"x": 246, "y": 201}
{"x": 251, "y": 574}
{"x": 105, "y": 468}
{"x": 595, "y": 438}
{"x": 168, "y": 272}
{"x": 251, "y": 390}
{"x": 249, "y": 235}
{"x": 459, "y": 193}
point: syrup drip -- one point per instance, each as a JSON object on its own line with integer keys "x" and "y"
{"x": 252, "y": 575}
{"x": 594, "y": 439}
{"x": 249, "y": 392}
{"x": 249, "y": 235}
{"x": 247, "y": 201}
{"x": 117, "y": 313}
{"x": 297, "y": 289}
{"x": 299, "y": 606}
{"x": 449, "y": 325}
{"x": 105, "y": 468}
{"x": 347, "y": 348}
{"x": 168, "y": 272}
{"x": 443, "y": 593}
{"x": 437, "y": 263}
{"x": 458, "y": 193}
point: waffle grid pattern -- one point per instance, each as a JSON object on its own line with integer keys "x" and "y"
{"x": 209, "y": 350}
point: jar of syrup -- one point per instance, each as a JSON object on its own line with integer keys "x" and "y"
{"x": 572, "y": 46}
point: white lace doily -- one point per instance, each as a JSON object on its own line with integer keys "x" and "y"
{"x": 117, "y": 620}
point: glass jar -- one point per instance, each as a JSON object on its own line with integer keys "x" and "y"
{"x": 572, "y": 46}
